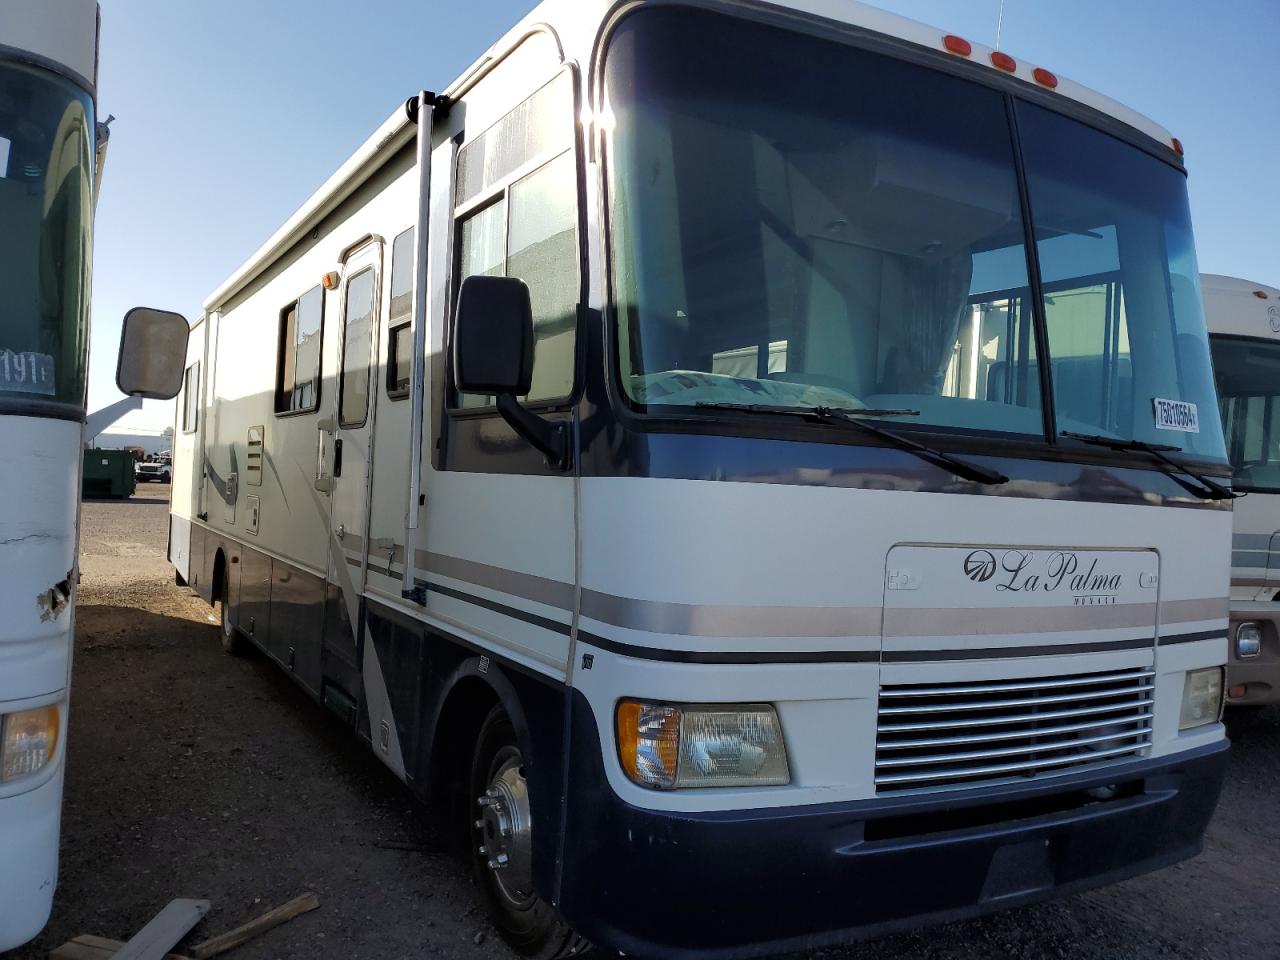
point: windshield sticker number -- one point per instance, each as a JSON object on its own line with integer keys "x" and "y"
{"x": 27, "y": 372}
{"x": 1176, "y": 415}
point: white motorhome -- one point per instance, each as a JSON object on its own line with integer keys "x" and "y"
{"x": 674, "y": 448}
{"x": 1244, "y": 337}
{"x": 48, "y": 68}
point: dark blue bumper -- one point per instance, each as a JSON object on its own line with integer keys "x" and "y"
{"x": 751, "y": 883}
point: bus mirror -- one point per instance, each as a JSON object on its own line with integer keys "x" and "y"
{"x": 153, "y": 353}
{"x": 493, "y": 337}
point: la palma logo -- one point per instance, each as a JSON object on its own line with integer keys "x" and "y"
{"x": 980, "y": 566}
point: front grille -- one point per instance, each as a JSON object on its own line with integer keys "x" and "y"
{"x": 936, "y": 736}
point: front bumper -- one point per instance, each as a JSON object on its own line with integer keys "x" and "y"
{"x": 760, "y": 882}
{"x": 29, "y": 825}
{"x": 1260, "y": 675}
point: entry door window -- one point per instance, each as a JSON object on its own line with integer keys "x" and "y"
{"x": 357, "y": 349}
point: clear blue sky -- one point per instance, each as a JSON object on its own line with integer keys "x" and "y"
{"x": 230, "y": 114}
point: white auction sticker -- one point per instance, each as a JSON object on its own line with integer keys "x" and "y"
{"x": 27, "y": 372}
{"x": 1176, "y": 415}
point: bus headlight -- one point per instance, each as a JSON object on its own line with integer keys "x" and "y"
{"x": 671, "y": 746}
{"x": 1248, "y": 640}
{"x": 27, "y": 742}
{"x": 1201, "y": 698}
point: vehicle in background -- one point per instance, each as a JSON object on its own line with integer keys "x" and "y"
{"x": 672, "y": 448}
{"x": 1244, "y": 336}
{"x": 154, "y": 470}
{"x": 51, "y": 149}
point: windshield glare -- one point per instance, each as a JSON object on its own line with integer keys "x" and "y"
{"x": 1248, "y": 374}
{"x": 799, "y": 222}
{"x": 46, "y": 197}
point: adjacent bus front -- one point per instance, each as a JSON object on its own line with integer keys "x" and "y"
{"x": 46, "y": 204}
{"x": 1244, "y": 334}
{"x": 904, "y": 517}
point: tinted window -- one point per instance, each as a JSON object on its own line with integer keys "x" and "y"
{"x": 785, "y": 238}
{"x": 1122, "y": 290}
{"x": 298, "y": 368}
{"x": 191, "y": 398}
{"x": 527, "y": 227}
{"x": 400, "y": 349}
{"x": 1248, "y": 375}
{"x": 357, "y": 345}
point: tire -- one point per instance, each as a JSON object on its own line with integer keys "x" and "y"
{"x": 233, "y": 641}
{"x": 498, "y": 797}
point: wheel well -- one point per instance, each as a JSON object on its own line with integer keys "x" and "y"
{"x": 454, "y": 739}
{"x": 215, "y": 584}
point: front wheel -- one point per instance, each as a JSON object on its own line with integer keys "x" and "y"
{"x": 500, "y": 834}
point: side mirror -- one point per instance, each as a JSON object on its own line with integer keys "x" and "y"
{"x": 153, "y": 353}
{"x": 493, "y": 355}
{"x": 493, "y": 337}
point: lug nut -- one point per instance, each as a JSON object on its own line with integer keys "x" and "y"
{"x": 483, "y": 850}
{"x": 479, "y": 824}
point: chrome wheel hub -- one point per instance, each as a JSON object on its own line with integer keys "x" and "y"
{"x": 504, "y": 831}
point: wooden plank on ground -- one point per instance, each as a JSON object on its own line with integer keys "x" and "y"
{"x": 272, "y": 918}
{"x": 87, "y": 947}
{"x": 164, "y": 931}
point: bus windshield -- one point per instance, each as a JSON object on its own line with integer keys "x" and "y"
{"x": 1248, "y": 373}
{"x": 46, "y": 202}
{"x": 800, "y": 222}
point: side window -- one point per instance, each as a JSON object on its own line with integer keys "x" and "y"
{"x": 298, "y": 367}
{"x": 517, "y": 216}
{"x": 357, "y": 338}
{"x": 400, "y": 345}
{"x": 191, "y": 398}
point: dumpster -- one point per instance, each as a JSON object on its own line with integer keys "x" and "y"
{"x": 108, "y": 473}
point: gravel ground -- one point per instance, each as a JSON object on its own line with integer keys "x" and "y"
{"x": 194, "y": 774}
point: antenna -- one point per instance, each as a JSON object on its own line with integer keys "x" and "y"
{"x": 999, "y": 24}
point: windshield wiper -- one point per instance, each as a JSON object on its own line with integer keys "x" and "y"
{"x": 1208, "y": 488}
{"x": 852, "y": 417}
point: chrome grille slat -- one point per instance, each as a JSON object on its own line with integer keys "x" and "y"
{"x": 918, "y": 779}
{"x": 1093, "y": 694}
{"x": 1018, "y": 734}
{"x": 944, "y": 736}
{"x": 915, "y": 726}
{"x": 1040, "y": 747}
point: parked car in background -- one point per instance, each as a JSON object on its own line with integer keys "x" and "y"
{"x": 157, "y": 469}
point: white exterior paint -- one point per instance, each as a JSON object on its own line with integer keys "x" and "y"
{"x": 38, "y": 545}
{"x": 63, "y": 32}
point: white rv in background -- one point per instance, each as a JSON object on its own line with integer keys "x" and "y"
{"x": 1244, "y": 335}
{"x": 673, "y": 448}
{"x": 51, "y": 156}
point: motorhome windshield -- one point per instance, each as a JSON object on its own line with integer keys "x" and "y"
{"x": 46, "y": 200}
{"x": 1248, "y": 373}
{"x": 796, "y": 221}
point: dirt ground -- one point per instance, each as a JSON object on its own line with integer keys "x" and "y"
{"x": 194, "y": 774}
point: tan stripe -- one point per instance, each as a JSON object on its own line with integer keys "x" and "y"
{"x": 1194, "y": 611}
{"x": 1248, "y": 582}
{"x": 712, "y": 620}
{"x": 986, "y": 621}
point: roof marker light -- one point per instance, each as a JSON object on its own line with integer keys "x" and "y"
{"x": 1004, "y": 61}
{"x": 1259, "y": 294}
{"x": 1045, "y": 78}
{"x": 957, "y": 45}
{"x": 1177, "y": 146}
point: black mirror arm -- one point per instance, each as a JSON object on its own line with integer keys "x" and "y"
{"x": 551, "y": 439}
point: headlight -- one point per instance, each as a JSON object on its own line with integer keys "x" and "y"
{"x": 667, "y": 746}
{"x": 1248, "y": 640}
{"x": 28, "y": 741}
{"x": 1201, "y": 698}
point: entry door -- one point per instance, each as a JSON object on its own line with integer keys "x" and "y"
{"x": 350, "y": 458}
